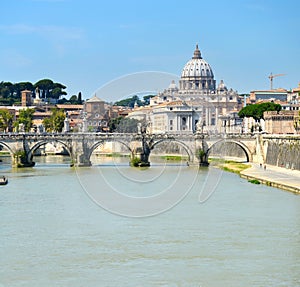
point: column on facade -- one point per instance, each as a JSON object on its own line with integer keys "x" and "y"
{"x": 217, "y": 119}
{"x": 208, "y": 116}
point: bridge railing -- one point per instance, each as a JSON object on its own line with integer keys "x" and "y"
{"x": 20, "y": 135}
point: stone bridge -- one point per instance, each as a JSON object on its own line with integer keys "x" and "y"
{"x": 80, "y": 146}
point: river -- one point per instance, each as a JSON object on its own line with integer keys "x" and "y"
{"x": 54, "y": 232}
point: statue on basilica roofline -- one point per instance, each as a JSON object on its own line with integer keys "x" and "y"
{"x": 37, "y": 93}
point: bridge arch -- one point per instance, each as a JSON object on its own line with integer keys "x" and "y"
{"x": 246, "y": 150}
{"x": 7, "y": 146}
{"x": 182, "y": 144}
{"x": 44, "y": 142}
{"x": 98, "y": 143}
{"x": 9, "y": 149}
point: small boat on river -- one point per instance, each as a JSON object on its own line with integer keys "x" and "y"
{"x": 3, "y": 180}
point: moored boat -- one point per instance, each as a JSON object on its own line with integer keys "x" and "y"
{"x": 3, "y": 180}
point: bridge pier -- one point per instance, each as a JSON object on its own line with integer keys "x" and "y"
{"x": 81, "y": 160}
{"x": 139, "y": 157}
{"x": 22, "y": 159}
{"x": 140, "y": 154}
{"x": 203, "y": 160}
{"x": 202, "y": 150}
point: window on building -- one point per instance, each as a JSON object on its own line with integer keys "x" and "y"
{"x": 171, "y": 122}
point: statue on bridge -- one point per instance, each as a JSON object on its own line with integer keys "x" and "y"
{"x": 140, "y": 156}
{"x": 199, "y": 126}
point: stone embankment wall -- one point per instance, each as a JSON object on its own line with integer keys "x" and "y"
{"x": 283, "y": 153}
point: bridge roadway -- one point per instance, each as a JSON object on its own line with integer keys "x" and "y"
{"x": 81, "y": 145}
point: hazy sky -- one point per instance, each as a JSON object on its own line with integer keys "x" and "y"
{"x": 85, "y": 44}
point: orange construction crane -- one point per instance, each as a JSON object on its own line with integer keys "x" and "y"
{"x": 273, "y": 76}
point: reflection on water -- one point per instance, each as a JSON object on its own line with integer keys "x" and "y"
{"x": 53, "y": 234}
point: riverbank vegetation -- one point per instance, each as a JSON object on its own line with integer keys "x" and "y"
{"x": 229, "y": 165}
{"x": 174, "y": 157}
{"x": 254, "y": 181}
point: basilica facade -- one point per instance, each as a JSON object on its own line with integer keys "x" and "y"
{"x": 196, "y": 103}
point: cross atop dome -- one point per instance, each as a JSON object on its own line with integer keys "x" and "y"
{"x": 197, "y": 53}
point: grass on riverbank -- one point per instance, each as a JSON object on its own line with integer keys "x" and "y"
{"x": 173, "y": 157}
{"x": 254, "y": 181}
{"x": 229, "y": 165}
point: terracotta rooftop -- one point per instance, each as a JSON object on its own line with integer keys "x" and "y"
{"x": 72, "y": 107}
{"x": 94, "y": 99}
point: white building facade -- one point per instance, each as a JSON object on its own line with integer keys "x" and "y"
{"x": 196, "y": 104}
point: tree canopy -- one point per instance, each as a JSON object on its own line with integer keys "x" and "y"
{"x": 49, "y": 89}
{"x": 10, "y": 93}
{"x": 130, "y": 102}
{"x": 123, "y": 125}
{"x": 25, "y": 118}
{"x": 257, "y": 110}
{"x": 55, "y": 122}
{"x": 6, "y": 119}
{"x": 74, "y": 100}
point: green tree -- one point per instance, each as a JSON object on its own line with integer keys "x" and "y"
{"x": 50, "y": 89}
{"x": 123, "y": 125}
{"x": 6, "y": 119}
{"x": 25, "y": 118}
{"x": 6, "y": 89}
{"x": 79, "y": 99}
{"x": 19, "y": 87}
{"x": 55, "y": 122}
{"x": 57, "y": 92}
{"x": 45, "y": 86}
{"x": 257, "y": 110}
{"x": 129, "y": 102}
{"x": 146, "y": 99}
{"x": 73, "y": 99}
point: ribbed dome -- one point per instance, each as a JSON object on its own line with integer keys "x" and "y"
{"x": 197, "y": 67}
{"x": 222, "y": 87}
{"x": 172, "y": 86}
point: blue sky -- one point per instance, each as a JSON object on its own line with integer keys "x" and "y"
{"x": 85, "y": 44}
